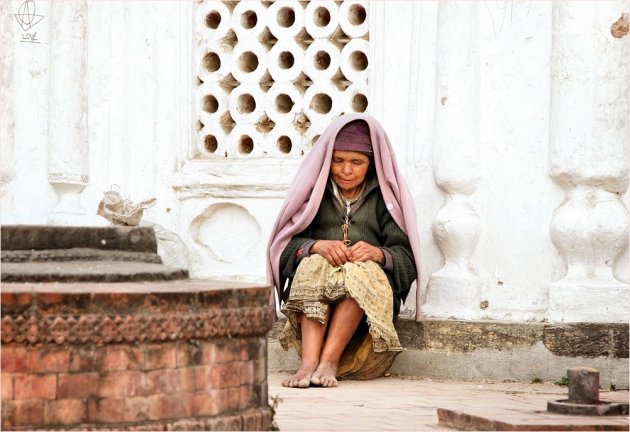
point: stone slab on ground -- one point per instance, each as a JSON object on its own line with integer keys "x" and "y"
{"x": 405, "y": 404}
{"x": 505, "y": 419}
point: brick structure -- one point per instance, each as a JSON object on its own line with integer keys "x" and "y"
{"x": 175, "y": 354}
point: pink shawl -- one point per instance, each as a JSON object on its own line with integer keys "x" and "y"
{"x": 306, "y": 192}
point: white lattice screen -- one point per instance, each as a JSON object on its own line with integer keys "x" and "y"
{"x": 272, "y": 75}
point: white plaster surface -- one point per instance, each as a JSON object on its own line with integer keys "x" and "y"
{"x": 141, "y": 123}
{"x": 578, "y": 301}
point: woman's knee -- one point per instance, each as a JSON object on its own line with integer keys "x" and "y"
{"x": 349, "y": 303}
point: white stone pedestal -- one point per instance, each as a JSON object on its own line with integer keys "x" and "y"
{"x": 597, "y": 303}
{"x": 451, "y": 296}
{"x": 69, "y": 211}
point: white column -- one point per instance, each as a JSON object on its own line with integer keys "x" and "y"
{"x": 7, "y": 121}
{"x": 589, "y": 158}
{"x": 454, "y": 290}
{"x": 68, "y": 134}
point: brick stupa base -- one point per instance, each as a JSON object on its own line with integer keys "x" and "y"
{"x": 98, "y": 334}
{"x": 185, "y": 355}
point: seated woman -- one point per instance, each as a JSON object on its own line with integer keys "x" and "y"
{"x": 345, "y": 245}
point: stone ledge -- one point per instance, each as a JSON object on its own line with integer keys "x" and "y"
{"x": 39, "y": 237}
{"x": 464, "y": 336}
{"x": 76, "y": 254}
{"x": 122, "y": 296}
{"x": 572, "y": 340}
{"x": 89, "y": 271}
{"x": 587, "y": 340}
{"x": 35, "y": 253}
{"x": 492, "y": 350}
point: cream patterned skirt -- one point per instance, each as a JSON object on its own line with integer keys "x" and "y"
{"x": 317, "y": 284}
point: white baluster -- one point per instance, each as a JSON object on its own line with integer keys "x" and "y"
{"x": 68, "y": 147}
{"x": 589, "y": 158}
{"x": 454, "y": 290}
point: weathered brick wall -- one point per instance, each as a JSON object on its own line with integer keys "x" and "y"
{"x": 138, "y": 367}
{"x": 128, "y": 383}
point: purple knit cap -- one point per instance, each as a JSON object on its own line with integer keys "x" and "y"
{"x": 354, "y": 136}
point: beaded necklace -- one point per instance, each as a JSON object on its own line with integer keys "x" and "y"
{"x": 347, "y": 205}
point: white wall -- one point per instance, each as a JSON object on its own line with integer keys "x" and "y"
{"x": 140, "y": 73}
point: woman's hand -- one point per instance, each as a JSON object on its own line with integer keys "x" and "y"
{"x": 363, "y": 252}
{"x": 335, "y": 251}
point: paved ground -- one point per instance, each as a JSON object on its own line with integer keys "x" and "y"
{"x": 411, "y": 404}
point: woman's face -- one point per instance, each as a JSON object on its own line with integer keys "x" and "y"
{"x": 348, "y": 170}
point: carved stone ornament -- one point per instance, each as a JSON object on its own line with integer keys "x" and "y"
{"x": 109, "y": 329}
{"x": 57, "y": 177}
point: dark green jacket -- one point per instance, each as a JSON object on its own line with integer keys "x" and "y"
{"x": 369, "y": 221}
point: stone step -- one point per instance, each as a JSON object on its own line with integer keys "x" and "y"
{"x": 497, "y": 351}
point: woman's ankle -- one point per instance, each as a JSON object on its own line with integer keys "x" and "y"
{"x": 308, "y": 366}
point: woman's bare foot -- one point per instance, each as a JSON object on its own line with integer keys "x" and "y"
{"x": 325, "y": 375}
{"x": 301, "y": 379}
